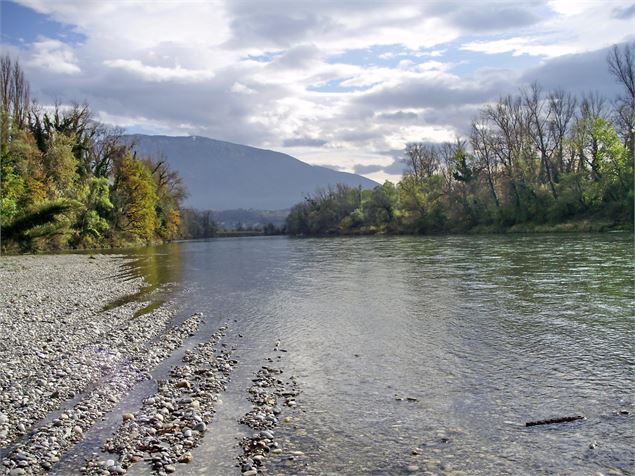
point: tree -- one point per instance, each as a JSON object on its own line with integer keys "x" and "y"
{"x": 134, "y": 197}
{"x": 622, "y": 66}
{"x": 15, "y": 97}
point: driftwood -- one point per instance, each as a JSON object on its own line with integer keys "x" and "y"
{"x": 554, "y": 420}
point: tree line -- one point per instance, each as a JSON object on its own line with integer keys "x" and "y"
{"x": 531, "y": 161}
{"x": 70, "y": 182}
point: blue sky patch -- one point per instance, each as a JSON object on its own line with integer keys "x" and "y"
{"x": 21, "y": 25}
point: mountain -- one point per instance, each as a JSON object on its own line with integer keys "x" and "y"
{"x": 221, "y": 175}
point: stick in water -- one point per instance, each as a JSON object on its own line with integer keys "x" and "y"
{"x": 555, "y": 420}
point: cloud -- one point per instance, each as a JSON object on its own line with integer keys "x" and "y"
{"x": 336, "y": 83}
{"x": 398, "y": 116}
{"x": 518, "y": 46}
{"x": 493, "y": 17}
{"x": 54, "y": 56}
{"x": 304, "y": 142}
{"x": 397, "y": 167}
{"x": 366, "y": 169}
{"x": 623, "y": 13}
{"x": 159, "y": 73}
{"x": 579, "y": 73}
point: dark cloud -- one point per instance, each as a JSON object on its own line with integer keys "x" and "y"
{"x": 295, "y": 58}
{"x": 399, "y": 116}
{"x": 623, "y": 13}
{"x": 437, "y": 92}
{"x": 275, "y": 23}
{"x": 495, "y": 16}
{"x": 578, "y": 73}
{"x": 395, "y": 168}
{"x": 367, "y": 169}
{"x": 304, "y": 142}
{"x": 334, "y": 167}
{"x": 360, "y": 134}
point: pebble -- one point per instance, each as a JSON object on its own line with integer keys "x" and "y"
{"x": 168, "y": 426}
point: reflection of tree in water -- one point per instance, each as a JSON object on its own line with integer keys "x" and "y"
{"x": 161, "y": 268}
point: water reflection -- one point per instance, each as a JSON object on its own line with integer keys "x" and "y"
{"x": 161, "y": 267}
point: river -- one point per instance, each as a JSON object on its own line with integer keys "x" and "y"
{"x": 442, "y": 345}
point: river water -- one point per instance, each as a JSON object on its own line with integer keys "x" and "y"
{"x": 485, "y": 332}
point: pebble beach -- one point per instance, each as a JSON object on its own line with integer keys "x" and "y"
{"x": 74, "y": 347}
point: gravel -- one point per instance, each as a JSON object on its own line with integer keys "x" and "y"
{"x": 173, "y": 421}
{"x": 66, "y": 360}
{"x": 269, "y": 396}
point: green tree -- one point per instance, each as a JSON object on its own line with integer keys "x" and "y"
{"x": 135, "y": 198}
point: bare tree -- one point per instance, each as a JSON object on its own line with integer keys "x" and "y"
{"x": 562, "y": 108}
{"x": 508, "y": 138}
{"x": 422, "y": 160}
{"x": 481, "y": 142}
{"x": 622, "y": 67}
{"x": 537, "y": 122}
{"x": 15, "y": 101}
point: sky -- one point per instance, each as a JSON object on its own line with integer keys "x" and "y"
{"x": 339, "y": 83}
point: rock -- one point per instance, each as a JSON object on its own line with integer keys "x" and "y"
{"x": 168, "y": 468}
{"x": 110, "y": 463}
{"x": 412, "y": 468}
{"x": 251, "y": 472}
{"x": 186, "y": 458}
{"x": 200, "y": 427}
{"x": 78, "y": 429}
{"x": 187, "y": 433}
{"x": 17, "y": 472}
{"x": 127, "y": 416}
{"x": 416, "y": 451}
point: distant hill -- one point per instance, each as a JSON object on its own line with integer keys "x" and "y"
{"x": 223, "y": 176}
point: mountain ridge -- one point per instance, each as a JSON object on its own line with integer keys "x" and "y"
{"x": 222, "y": 175}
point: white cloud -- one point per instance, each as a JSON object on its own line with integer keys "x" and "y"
{"x": 240, "y": 88}
{"x": 55, "y": 56}
{"x": 518, "y": 46}
{"x": 159, "y": 73}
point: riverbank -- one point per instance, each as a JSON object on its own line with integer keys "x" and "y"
{"x": 94, "y": 381}
{"x": 572, "y": 226}
{"x": 69, "y": 357}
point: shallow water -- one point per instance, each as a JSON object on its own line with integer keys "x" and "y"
{"x": 486, "y": 332}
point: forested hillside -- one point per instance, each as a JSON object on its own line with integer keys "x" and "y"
{"x": 538, "y": 160}
{"x": 70, "y": 182}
